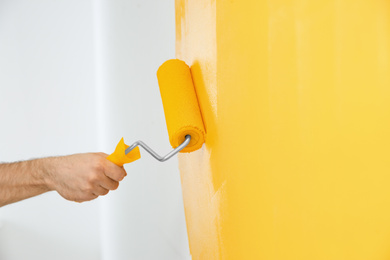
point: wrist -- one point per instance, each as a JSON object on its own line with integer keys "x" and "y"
{"x": 45, "y": 171}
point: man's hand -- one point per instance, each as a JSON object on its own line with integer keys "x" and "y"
{"x": 78, "y": 177}
{"x": 83, "y": 177}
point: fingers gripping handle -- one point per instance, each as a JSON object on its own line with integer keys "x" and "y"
{"x": 119, "y": 157}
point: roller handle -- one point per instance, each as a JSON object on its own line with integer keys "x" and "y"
{"x": 156, "y": 156}
{"x": 119, "y": 157}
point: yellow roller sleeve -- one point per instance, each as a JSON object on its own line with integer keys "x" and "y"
{"x": 181, "y": 106}
{"x": 119, "y": 157}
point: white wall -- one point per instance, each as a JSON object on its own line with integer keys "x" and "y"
{"x": 75, "y": 76}
{"x": 47, "y": 107}
{"x": 145, "y": 218}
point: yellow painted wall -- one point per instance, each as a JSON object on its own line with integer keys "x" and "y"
{"x": 295, "y": 95}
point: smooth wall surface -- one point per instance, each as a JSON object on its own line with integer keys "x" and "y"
{"x": 47, "y": 108}
{"x": 296, "y": 101}
{"x": 144, "y": 219}
{"x": 76, "y": 76}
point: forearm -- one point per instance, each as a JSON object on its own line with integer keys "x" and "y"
{"x": 22, "y": 180}
{"x": 78, "y": 177}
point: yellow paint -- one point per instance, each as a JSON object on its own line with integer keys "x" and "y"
{"x": 180, "y": 105}
{"x": 119, "y": 157}
{"x": 295, "y": 97}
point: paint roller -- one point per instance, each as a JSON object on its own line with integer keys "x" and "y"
{"x": 182, "y": 114}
